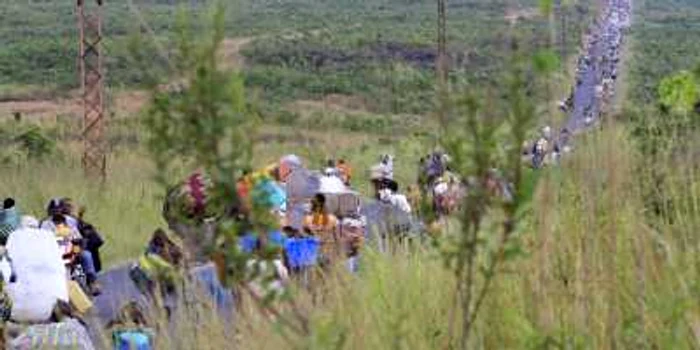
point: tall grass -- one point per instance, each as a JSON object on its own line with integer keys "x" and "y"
{"x": 125, "y": 209}
{"x": 600, "y": 271}
{"x": 596, "y": 275}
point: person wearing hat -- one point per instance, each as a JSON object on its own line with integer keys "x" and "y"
{"x": 10, "y": 219}
{"x": 287, "y": 165}
{"x": 352, "y": 237}
{"x": 67, "y": 231}
{"x": 58, "y": 206}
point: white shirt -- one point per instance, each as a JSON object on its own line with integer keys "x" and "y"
{"x": 395, "y": 199}
{"x": 401, "y": 202}
{"x": 259, "y": 272}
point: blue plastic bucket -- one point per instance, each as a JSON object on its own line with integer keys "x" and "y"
{"x": 302, "y": 252}
{"x": 249, "y": 241}
{"x": 132, "y": 340}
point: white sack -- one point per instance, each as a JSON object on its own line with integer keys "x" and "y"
{"x": 41, "y": 275}
{"x": 331, "y": 185}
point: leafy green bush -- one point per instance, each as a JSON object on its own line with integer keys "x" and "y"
{"x": 35, "y": 143}
{"x": 20, "y": 143}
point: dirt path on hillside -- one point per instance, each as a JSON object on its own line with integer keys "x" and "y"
{"x": 231, "y": 57}
{"x": 121, "y": 103}
{"x": 515, "y": 14}
{"x": 597, "y": 70}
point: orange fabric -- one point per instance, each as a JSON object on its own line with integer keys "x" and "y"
{"x": 345, "y": 172}
{"x": 324, "y": 227}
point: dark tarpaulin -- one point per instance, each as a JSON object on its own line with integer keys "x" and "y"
{"x": 118, "y": 289}
{"x": 386, "y": 221}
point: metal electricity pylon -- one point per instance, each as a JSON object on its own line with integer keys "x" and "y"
{"x": 442, "y": 43}
{"x": 441, "y": 67}
{"x": 92, "y": 85}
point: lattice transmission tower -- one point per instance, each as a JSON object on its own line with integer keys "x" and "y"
{"x": 441, "y": 66}
{"x": 92, "y": 79}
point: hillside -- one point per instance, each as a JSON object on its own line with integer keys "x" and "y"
{"x": 596, "y": 248}
{"x": 304, "y": 49}
{"x": 663, "y": 43}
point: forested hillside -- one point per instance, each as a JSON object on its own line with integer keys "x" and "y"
{"x": 299, "y": 49}
{"x": 664, "y": 42}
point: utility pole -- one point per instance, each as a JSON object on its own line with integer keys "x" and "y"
{"x": 563, "y": 11}
{"x": 442, "y": 43}
{"x": 441, "y": 67}
{"x": 92, "y": 86}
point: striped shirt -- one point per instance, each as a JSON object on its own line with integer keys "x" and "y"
{"x": 9, "y": 222}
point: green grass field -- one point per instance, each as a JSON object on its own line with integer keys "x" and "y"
{"x": 379, "y": 51}
{"x": 663, "y": 36}
{"x": 611, "y": 246}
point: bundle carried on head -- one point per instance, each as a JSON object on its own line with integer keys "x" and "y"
{"x": 188, "y": 201}
{"x": 287, "y": 165}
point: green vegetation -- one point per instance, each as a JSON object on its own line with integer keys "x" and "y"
{"x": 382, "y": 51}
{"x": 607, "y": 249}
{"x": 662, "y": 100}
{"x": 664, "y": 39}
{"x": 586, "y": 219}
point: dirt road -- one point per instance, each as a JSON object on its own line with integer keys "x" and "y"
{"x": 598, "y": 66}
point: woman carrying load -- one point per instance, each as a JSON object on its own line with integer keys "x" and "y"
{"x": 323, "y": 225}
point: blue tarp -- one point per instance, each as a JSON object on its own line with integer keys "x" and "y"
{"x": 118, "y": 289}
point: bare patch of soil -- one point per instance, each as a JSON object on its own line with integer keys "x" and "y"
{"x": 231, "y": 57}
{"x": 123, "y": 103}
{"x": 514, "y": 15}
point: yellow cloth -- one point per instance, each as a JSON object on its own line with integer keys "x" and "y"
{"x": 158, "y": 269}
{"x": 345, "y": 172}
{"x": 263, "y": 173}
{"x": 78, "y": 299}
{"x": 63, "y": 231}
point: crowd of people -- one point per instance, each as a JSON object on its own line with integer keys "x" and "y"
{"x": 596, "y": 74}
{"x": 320, "y": 224}
{"x": 327, "y": 209}
{"x": 319, "y": 218}
{"x": 78, "y": 240}
{"x": 47, "y": 267}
